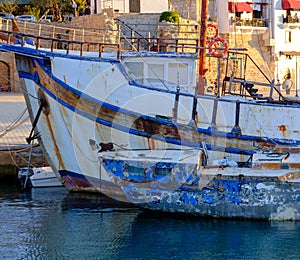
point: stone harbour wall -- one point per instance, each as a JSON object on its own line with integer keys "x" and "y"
{"x": 8, "y": 72}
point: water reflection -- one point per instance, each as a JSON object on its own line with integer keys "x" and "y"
{"x": 214, "y": 239}
{"x": 52, "y": 223}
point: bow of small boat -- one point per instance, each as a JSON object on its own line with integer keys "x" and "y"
{"x": 264, "y": 186}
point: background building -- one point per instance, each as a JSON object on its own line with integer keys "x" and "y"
{"x": 130, "y": 6}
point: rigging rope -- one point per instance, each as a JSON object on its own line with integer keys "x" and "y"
{"x": 14, "y": 124}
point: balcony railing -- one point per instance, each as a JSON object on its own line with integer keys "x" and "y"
{"x": 290, "y": 19}
{"x": 255, "y": 22}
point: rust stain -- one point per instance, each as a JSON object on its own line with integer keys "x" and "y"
{"x": 151, "y": 143}
{"x": 269, "y": 166}
{"x": 276, "y": 166}
{"x": 282, "y": 128}
{"x": 287, "y": 150}
{"x": 60, "y": 160}
{"x": 289, "y": 176}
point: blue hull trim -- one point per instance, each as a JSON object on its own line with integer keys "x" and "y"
{"x": 208, "y": 131}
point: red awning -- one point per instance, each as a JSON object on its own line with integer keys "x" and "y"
{"x": 239, "y": 7}
{"x": 290, "y": 4}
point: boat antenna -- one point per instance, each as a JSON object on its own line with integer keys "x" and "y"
{"x": 202, "y": 51}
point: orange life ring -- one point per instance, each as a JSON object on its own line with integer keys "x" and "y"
{"x": 212, "y": 48}
{"x": 215, "y": 28}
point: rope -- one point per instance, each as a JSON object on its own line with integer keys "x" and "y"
{"x": 29, "y": 161}
{"x": 13, "y": 125}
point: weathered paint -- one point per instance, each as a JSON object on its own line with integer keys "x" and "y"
{"x": 230, "y": 192}
{"x": 111, "y": 107}
{"x": 57, "y": 150}
{"x": 230, "y": 199}
{"x": 146, "y": 126}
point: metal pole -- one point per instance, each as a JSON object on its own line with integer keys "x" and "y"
{"x": 219, "y": 73}
{"x": 296, "y": 76}
{"x": 203, "y": 25}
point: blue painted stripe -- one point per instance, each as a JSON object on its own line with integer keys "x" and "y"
{"x": 85, "y": 181}
{"x": 122, "y": 128}
{"x": 208, "y": 131}
{"x": 169, "y": 140}
{"x": 80, "y": 176}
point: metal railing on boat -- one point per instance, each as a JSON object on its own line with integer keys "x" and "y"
{"x": 66, "y": 40}
{"x": 83, "y": 40}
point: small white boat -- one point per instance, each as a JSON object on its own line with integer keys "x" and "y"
{"x": 44, "y": 177}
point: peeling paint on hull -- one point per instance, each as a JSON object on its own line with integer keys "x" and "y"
{"x": 246, "y": 202}
{"x": 161, "y": 129}
{"x": 78, "y": 182}
{"x": 176, "y": 186}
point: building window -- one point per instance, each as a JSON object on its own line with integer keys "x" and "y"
{"x": 288, "y": 36}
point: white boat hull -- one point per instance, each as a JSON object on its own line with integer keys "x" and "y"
{"x": 44, "y": 177}
{"x": 95, "y": 99}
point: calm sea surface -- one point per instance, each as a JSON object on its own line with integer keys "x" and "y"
{"x": 51, "y": 223}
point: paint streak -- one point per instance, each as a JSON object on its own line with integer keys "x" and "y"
{"x": 57, "y": 151}
{"x": 289, "y": 176}
{"x": 151, "y": 143}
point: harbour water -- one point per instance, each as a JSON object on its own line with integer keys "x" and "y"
{"x": 51, "y": 223}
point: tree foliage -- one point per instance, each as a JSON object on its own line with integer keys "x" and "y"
{"x": 9, "y": 6}
{"x": 38, "y": 8}
{"x": 170, "y": 16}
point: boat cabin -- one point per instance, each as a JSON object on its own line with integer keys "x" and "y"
{"x": 170, "y": 70}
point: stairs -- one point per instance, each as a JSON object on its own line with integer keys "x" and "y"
{"x": 247, "y": 86}
{"x": 253, "y": 91}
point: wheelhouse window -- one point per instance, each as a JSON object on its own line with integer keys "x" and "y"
{"x": 136, "y": 69}
{"x": 178, "y": 73}
{"x": 156, "y": 72}
{"x": 166, "y": 73}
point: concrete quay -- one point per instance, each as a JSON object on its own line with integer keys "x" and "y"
{"x": 15, "y": 126}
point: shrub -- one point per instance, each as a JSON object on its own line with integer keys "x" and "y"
{"x": 171, "y": 16}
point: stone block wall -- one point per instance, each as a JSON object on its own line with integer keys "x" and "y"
{"x": 9, "y": 72}
{"x": 187, "y": 9}
{"x": 254, "y": 45}
{"x": 145, "y": 24}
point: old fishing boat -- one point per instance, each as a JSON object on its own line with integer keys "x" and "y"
{"x": 266, "y": 185}
{"x": 89, "y": 96}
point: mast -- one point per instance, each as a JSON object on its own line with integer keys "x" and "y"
{"x": 202, "y": 53}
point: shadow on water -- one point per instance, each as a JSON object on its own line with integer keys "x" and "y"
{"x": 77, "y": 200}
{"x": 61, "y": 197}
